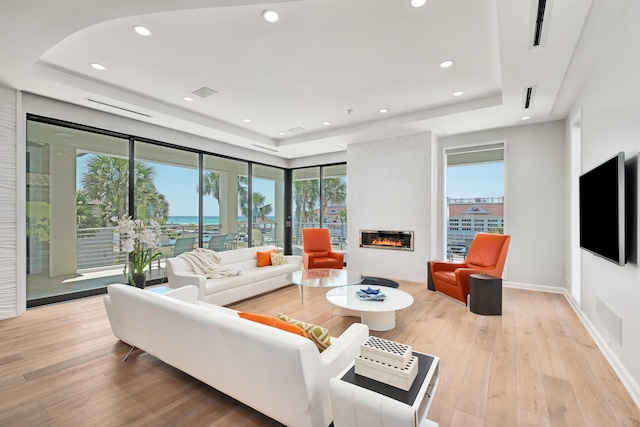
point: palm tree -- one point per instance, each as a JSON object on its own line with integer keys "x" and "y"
{"x": 211, "y": 185}
{"x": 305, "y": 196}
{"x": 106, "y": 182}
{"x": 85, "y": 216}
{"x": 334, "y": 190}
{"x": 260, "y": 207}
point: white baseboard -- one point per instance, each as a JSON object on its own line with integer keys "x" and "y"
{"x": 530, "y": 287}
{"x": 625, "y": 377}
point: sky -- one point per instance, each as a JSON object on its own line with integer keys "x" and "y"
{"x": 470, "y": 181}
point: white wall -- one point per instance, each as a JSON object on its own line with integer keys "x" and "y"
{"x": 9, "y": 248}
{"x": 389, "y": 188}
{"x": 534, "y": 199}
{"x": 610, "y": 123}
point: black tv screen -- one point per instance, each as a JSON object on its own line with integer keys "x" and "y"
{"x": 602, "y": 210}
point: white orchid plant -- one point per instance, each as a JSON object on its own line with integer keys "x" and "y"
{"x": 140, "y": 241}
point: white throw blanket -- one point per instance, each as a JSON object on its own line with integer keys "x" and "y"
{"x": 208, "y": 263}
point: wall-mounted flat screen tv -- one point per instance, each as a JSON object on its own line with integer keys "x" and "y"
{"x": 602, "y": 210}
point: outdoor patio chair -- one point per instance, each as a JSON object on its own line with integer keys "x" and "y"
{"x": 217, "y": 243}
{"x": 184, "y": 244}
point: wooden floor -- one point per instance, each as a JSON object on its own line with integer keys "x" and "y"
{"x": 533, "y": 366}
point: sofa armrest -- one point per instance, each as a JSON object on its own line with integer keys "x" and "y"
{"x": 294, "y": 260}
{"x": 179, "y": 280}
{"x": 186, "y": 293}
{"x": 344, "y": 349}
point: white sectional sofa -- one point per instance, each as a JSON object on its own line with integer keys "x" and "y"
{"x": 252, "y": 281}
{"x": 278, "y": 373}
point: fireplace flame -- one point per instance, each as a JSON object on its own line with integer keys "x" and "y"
{"x": 386, "y": 242}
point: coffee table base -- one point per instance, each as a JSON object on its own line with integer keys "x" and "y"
{"x": 376, "y": 320}
{"x": 378, "y": 316}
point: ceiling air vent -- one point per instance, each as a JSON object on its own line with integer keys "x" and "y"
{"x": 266, "y": 148}
{"x": 539, "y": 9}
{"x": 204, "y": 92}
{"x": 527, "y": 97}
{"x": 115, "y": 106}
{"x": 294, "y": 130}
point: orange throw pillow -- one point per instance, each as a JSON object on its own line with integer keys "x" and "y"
{"x": 264, "y": 258}
{"x": 275, "y": 322}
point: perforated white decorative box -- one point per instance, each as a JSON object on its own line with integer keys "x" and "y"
{"x": 401, "y": 378}
{"x": 385, "y": 351}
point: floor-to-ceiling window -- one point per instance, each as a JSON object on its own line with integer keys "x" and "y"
{"x": 224, "y": 185}
{"x": 76, "y": 181}
{"x": 334, "y": 204}
{"x": 475, "y": 195}
{"x": 198, "y": 198}
{"x": 320, "y": 200}
{"x": 166, "y": 190}
{"x": 267, "y": 206}
{"x": 305, "y": 204}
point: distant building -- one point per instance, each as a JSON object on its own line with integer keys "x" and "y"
{"x": 468, "y": 216}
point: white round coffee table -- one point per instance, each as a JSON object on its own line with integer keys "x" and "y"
{"x": 378, "y": 315}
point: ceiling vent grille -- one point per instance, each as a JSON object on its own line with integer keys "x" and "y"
{"x": 294, "y": 130}
{"x": 265, "y": 148}
{"x": 204, "y": 92}
{"x": 539, "y": 8}
{"x": 115, "y": 106}
{"x": 527, "y": 97}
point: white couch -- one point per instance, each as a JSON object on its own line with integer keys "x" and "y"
{"x": 275, "y": 372}
{"x": 252, "y": 281}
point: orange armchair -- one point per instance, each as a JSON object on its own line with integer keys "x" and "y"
{"x": 317, "y": 251}
{"x": 487, "y": 255}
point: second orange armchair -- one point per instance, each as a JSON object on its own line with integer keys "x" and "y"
{"x": 317, "y": 250}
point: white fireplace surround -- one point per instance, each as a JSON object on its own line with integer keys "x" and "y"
{"x": 387, "y": 200}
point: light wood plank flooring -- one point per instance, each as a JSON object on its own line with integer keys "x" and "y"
{"x": 533, "y": 366}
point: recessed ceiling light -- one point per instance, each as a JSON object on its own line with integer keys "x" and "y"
{"x": 282, "y": 132}
{"x": 289, "y": 155}
{"x": 65, "y": 134}
{"x": 418, "y": 3}
{"x": 326, "y": 123}
{"x": 143, "y": 31}
{"x": 270, "y": 15}
{"x": 383, "y": 110}
{"x": 525, "y": 117}
{"x": 187, "y": 98}
{"x": 458, "y": 93}
{"x": 446, "y": 63}
{"x": 246, "y": 120}
{"x": 98, "y": 66}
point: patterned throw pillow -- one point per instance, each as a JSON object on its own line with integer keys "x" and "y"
{"x": 319, "y": 335}
{"x": 276, "y": 323}
{"x": 278, "y": 259}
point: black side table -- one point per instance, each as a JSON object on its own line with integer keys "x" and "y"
{"x": 430, "y": 285}
{"x": 485, "y": 293}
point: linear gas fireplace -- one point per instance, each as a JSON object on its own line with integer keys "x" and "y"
{"x": 400, "y": 240}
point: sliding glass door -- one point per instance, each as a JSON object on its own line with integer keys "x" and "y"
{"x": 76, "y": 181}
{"x": 166, "y": 190}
